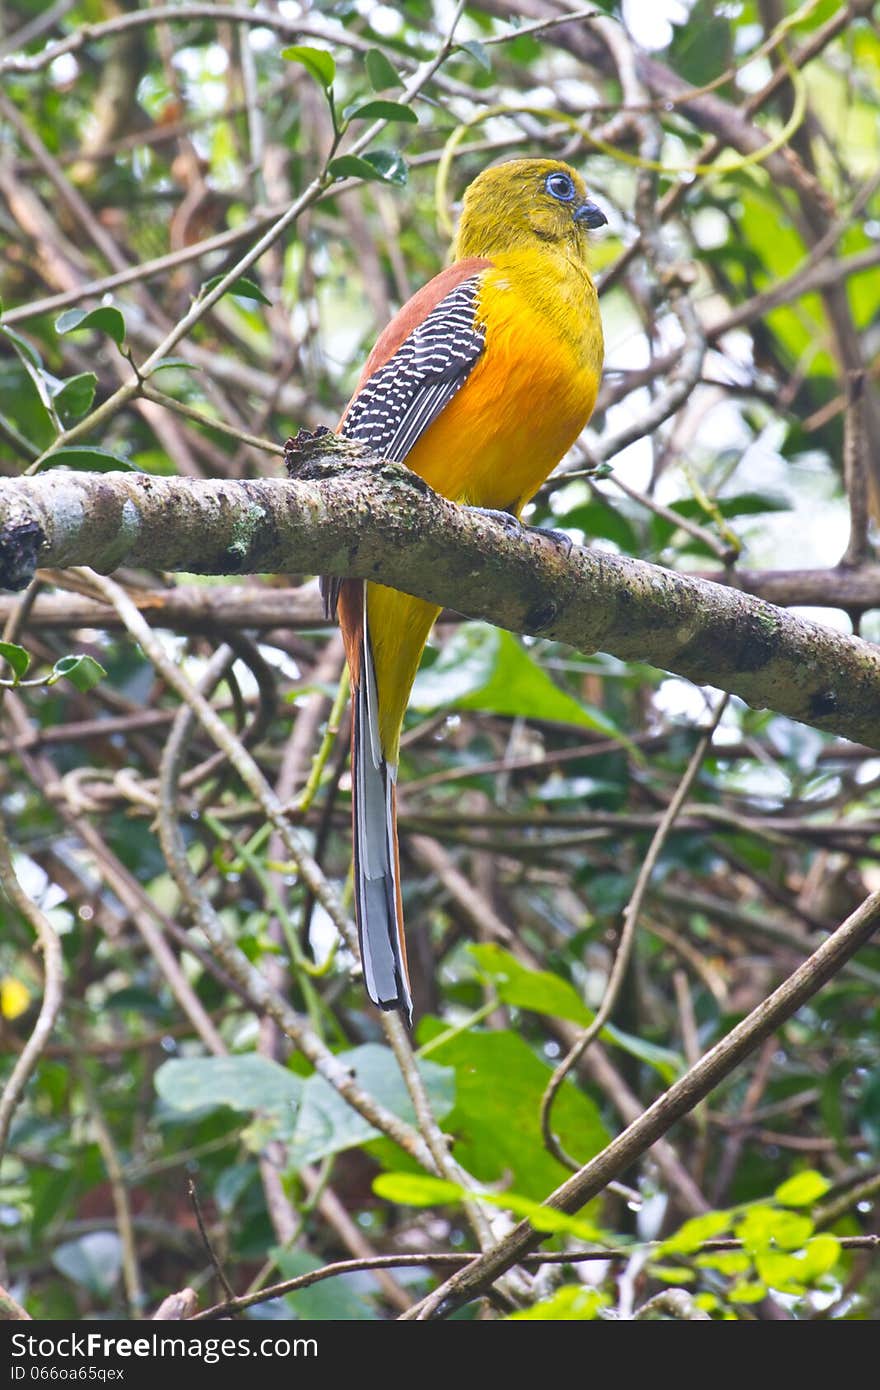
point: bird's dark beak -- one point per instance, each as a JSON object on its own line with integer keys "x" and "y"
{"x": 591, "y": 214}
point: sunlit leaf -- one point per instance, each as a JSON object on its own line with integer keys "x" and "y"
{"x": 764, "y": 1226}
{"x": 570, "y": 1303}
{"x": 748, "y": 1291}
{"x": 16, "y": 657}
{"x": 316, "y": 61}
{"x": 803, "y": 1189}
{"x": 417, "y": 1189}
{"x": 696, "y": 1232}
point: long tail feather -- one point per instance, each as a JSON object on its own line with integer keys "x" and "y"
{"x": 378, "y": 906}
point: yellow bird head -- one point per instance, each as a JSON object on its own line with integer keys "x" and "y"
{"x": 526, "y": 202}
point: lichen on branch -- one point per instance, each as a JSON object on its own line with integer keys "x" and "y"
{"x": 349, "y": 514}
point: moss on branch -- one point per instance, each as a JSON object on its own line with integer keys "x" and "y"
{"x": 346, "y": 513}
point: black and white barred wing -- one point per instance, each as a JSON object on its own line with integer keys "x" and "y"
{"x": 396, "y": 405}
{"x": 400, "y": 400}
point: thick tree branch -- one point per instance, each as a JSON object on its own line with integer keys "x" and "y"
{"x": 349, "y": 514}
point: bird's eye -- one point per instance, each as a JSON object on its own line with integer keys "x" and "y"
{"x": 560, "y": 186}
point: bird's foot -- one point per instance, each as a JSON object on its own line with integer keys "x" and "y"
{"x": 560, "y": 539}
{"x": 511, "y": 523}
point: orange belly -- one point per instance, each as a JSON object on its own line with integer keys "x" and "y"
{"x": 500, "y": 437}
{"x": 520, "y": 410}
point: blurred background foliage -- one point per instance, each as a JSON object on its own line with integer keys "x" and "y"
{"x": 740, "y": 305}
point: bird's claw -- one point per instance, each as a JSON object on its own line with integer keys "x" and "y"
{"x": 511, "y": 523}
{"x": 557, "y": 538}
{"x": 513, "y": 526}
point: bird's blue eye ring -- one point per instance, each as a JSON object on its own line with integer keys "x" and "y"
{"x": 560, "y": 186}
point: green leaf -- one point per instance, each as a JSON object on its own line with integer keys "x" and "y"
{"x": 86, "y": 458}
{"x": 81, "y": 670}
{"x": 248, "y": 1082}
{"x": 383, "y": 166}
{"x": 727, "y": 1262}
{"x": 570, "y": 1303}
{"x": 748, "y": 1291}
{"x": 17, "y": 658}
{"x": 597, "y": 518}
{"x": 25, "y": 401}
{"x": 802, "y": 1190}
{"x": 668, "y": 1064}
{"x": 380, "y": 71}
{"x": 546, "y": 993}
{"x": 547, "y": 1219}
{"x": 326, "y": 1124}
{"x": 381, "y": 110}
{"x": 762, "y": 1227}
{"x": 417, "y": 1190}
{"x": 351, "y": 166}
{"x": 94, "y": 1261}
{"x": 487, "y": 669}
{"x": 242, "y": 287}
{"x": 22, "y": 346}
{"x": 233, "y": 1182}
{"x": 538, "y": 990}
{"x": 342, "y": 1299}
{"x": 793, "y": 1272}
{"x": 74, "y": 397}
{"x": 165, "y": 362}
{"x": 478, "y": 52}
{"x": 105, "y": 319}
{"x": 672, "y": 1274}
{"x": 499, "y": 1083}
{"x": 317, "y": 61}
{"x": 820, "y": 1254}
{"x": 309, "y": 1115}
{"x": 696, "y": 1232}
{"x": 390, "y": 165}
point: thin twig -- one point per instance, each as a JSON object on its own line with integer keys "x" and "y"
{"x": 677, "y": 1101}
{"x": 192, "y": 1193}
{"x": 459, "y": 1259}
{"x": 134, "y": 1289}
{"x": 627, "y": 938}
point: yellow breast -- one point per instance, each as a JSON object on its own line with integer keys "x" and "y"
{"x": 530, "y": 394}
